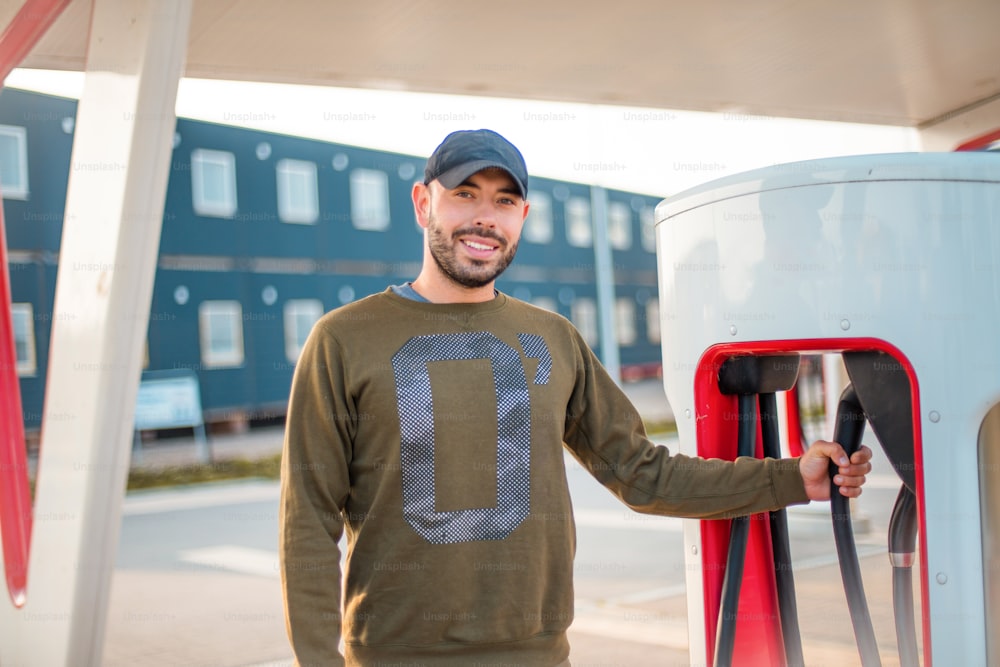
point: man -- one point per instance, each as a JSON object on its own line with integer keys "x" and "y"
{"x": 429, "y": 422}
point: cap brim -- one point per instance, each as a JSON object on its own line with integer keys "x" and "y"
{"x": 455, "y": 176}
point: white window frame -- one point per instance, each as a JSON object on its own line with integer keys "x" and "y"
{"x": 298, "y": 191}
{"x": 295, "y": 336}
{"x": 225, "y": 205}
{"x": 16, "y": 186}
{"x": 625, "y": 321}
{"x": 370, "y": 199}
{"x": 583, "y": 313}
{"x": 653, "y": 321}
{"x": 226, "y": 358}
{"x": 619, "y": 225}
{"x": 579, "y": 228}
{"x": 23, "y": 323}
{"x": 538, "y": 226}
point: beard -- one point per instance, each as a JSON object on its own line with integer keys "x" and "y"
{"x": 474, "y": 272}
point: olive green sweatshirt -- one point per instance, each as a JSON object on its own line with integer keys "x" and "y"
{"x": 433, "y": 434}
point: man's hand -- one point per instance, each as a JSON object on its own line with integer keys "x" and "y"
{"x": 815, "y": 465}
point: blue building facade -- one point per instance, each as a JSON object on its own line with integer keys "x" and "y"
{"x": 263, "y": 233}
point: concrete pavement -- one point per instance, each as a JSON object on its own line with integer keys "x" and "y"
{"x": 222, "y": 608}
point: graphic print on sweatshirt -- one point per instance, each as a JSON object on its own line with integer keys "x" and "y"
{"x": 513, "y": 456}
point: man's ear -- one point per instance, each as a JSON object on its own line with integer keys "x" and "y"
{"x": 421, "y": 203}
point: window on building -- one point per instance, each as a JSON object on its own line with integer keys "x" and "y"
{"x": 213, "y": 183}
{"x": 220, "y": 328}
{"x": 298, "y": 198}
{"x": 583, "y": 313}
{"x": 647, "y": 228}
{"x": 538, "y": 226}
{"x": 13, "y": 162}
{"x": 619, "y": 225}
{"x": 370, "y": 199}
{"x": 24, "y": 338}
{"x": 625, "y": 321}
{"x": 578, "y": 228}
{"x": 653, "y": 321}
{"x": 300, "y": 316}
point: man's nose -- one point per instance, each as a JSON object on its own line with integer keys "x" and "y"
{"x": 485, "y": 216}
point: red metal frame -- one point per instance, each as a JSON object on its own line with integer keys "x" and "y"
{"x": 758, "y": 635}
{"x": 794, "y": 422}
{"x": 15, "y": 497}
{"x": 980, "y": 142}
{"x": 17, "y": 40}
{"x": 25, "y": 29}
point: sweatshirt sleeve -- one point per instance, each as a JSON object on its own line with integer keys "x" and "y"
{"x": 314, "y": 489}
{"x": 605, "y": 433}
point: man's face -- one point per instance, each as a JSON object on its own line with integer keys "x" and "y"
{"x": 473, "y": 229}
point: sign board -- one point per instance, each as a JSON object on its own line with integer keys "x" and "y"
{"x": 173, "y": 401}
{"x": 169, "y": 399}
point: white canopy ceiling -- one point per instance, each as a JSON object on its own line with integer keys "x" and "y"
{"x": 900, "y": 62}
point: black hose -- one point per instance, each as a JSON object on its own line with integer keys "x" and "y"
{"x": 725, "y": 636}
{"x": 781, "y": 550}
{"x": 902, "y": 547}
{"x": 849, "y": 428}
{"x": 906, "y": 631}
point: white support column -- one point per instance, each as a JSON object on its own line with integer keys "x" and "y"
{"x": 114, "y": 209}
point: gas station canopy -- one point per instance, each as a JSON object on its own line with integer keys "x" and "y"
{"x": 915, "y": 63}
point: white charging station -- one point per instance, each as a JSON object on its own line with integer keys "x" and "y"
{"x": 898, "y": 254}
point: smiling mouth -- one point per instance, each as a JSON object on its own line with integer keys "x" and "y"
{"x": 477, "y": 245}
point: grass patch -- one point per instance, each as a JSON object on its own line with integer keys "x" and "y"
{"x": 265, "y": 468}
{"x": 196, "y": 473}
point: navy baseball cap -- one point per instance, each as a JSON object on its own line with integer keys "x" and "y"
{"x": 465, "y": 152}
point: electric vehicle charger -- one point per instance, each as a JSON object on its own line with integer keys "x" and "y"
{"x": 886, "y": 406}
{"x": 746, "y": 377}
